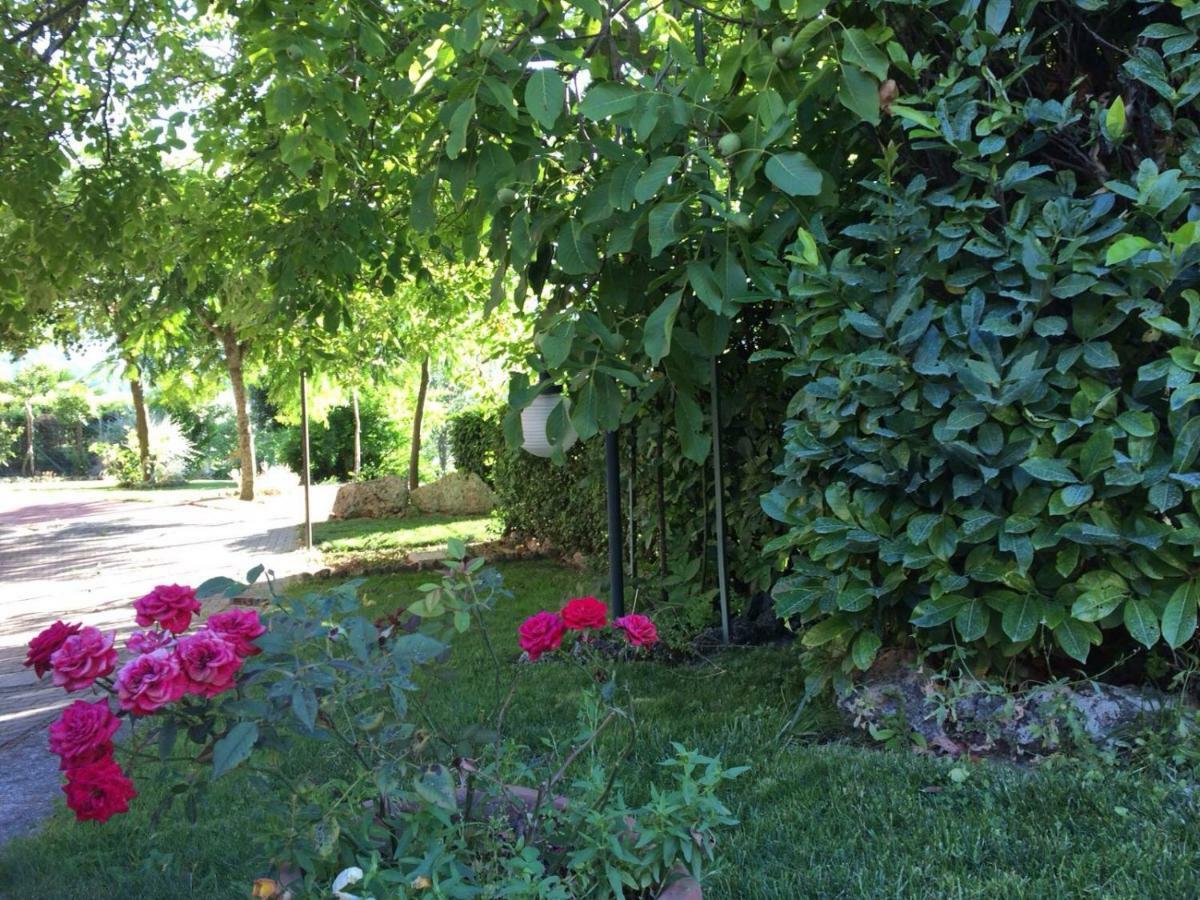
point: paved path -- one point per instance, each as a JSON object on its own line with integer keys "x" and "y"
{"x": 82, "y": 554}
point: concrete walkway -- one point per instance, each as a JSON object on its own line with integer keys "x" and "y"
{"x": 83, "y": 554}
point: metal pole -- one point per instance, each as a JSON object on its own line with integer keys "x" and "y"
{"x": 612, "y": 472}
{"x": 633, "y": 567}
{"x": 719, "y": 496}
{"x": 307, "y": 475}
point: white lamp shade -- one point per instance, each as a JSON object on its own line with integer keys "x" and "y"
{"x": 534, "y": 419}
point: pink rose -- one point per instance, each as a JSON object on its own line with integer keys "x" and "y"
{"x": 240, "y": 627}
{"x": 585, "y": 612}
{"x": 208, "y": 663}
{"x": 639, "y": 630}
{"x": 82, "y": 658}
{"x": 541, "y": 633}
{"x": 170, "y": 605}
{"x": 83, "y": 733}
{"x": 149, "y": 681}
{"x": 98, "y": 791}
{"x": 148, "y": 641}
{"x": 42, "y": 646}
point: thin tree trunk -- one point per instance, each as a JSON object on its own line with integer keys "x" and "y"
{"x": 234, "y": 353}
{"x": 414, "y": 461}
{"x": 142, "y": 426}
{"x": 29, "y": 464}
{"x": 357, "y": 434}
{"x": 80, "y": 456}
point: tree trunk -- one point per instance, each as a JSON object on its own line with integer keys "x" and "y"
{"x": 357, "y": 434}
{"x": 142, "y": 426}
{"x": 234, "y": 353}
{"x": 80, "y": 456}
{"x": 414, "y": 461}
{"x": 29, "y": 463}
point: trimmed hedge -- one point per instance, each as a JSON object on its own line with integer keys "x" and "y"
{"x": 994, "y": 440}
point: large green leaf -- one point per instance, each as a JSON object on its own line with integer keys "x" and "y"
{"x": 859, "y": 93}
{"x": 545, "y": 97}
{"x": 1076, "y": 638}
{"x": 234, "y": 748}
{"x": 1056, "y": 471}
{"x": 659, "y": 325}
{"x": 1179, "y": 615}
{"x": 794, "y": 174}
{"x": 1021, "y": 617}
{"x": 606, "y": 99}
{"x": 1141, "y": 622}
{"x": 859, "y": 50}
{"x": 663, "y": 226}
{"x": 972, "y": 620}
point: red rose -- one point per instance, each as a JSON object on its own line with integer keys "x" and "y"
{"x": 82, "y": 658}
{"x": 639, "y": 630}
{"x": 83, "y": 733}
{"x": 149, "y": 681}
{"x": 42, "y": 646}
{"x": 240, "y": 627}
{"x": 98, "y": 791}
{"x": 170, "y": 605}
{"x": 208, "y": 663}
{"x": 585, "y": 612}
{"x": 541, "y": 633}
{"x": 148, "y": 641}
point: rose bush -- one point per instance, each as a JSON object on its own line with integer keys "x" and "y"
{"x": 408, "y": 805}
{"x": 165, "y": 667}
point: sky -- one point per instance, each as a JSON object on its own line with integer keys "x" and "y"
{"x": 89, "y": 364}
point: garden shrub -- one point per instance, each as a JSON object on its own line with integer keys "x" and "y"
{"x": 331, "y": 443}
{"x": 473, "y": 445}
{"x": 996, "y": 337}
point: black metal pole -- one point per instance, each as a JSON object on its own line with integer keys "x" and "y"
{"x": 612, "y": 472}
{"x": 632, "y": 511}
{"x": 307, "y": 474}
{"x": 719, "y": 497}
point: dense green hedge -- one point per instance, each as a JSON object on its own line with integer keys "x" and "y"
{"x": 474, "y": 442}
{"x": 995, "y": 433}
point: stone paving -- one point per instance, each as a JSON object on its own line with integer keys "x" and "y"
{"x": 83, "y": 554}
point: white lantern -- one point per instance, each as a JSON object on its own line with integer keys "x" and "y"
{"x": 534, "y": 421}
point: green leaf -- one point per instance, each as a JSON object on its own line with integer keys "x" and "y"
{"x": 1187, "y": 443}
{"x": 1102, "y": 593}
{"x": 1021, "y": 617}
{"x": 305, "y": 705}
{"x": 859, "y": 93}
{"x": 1055, "y": 471}
{"x": 858, "y": 50}
{"x": 937, "y": 610}
{"x": 1179, "y": 615}
{"x": 1126, "y": 248}
{"x": 794, "y": 174}
{"x": 972, "y": 620}
{"x": 827, "y": 630}
{"x": 865, "y": 647}
{"x": 545, "y": 96}
{"x": 996, "y": 15}
{"x": 1097, "y": 454}
{"x": 234, "y": 748}
{"x": 1076, "y": 638}
{"x": 662, "y": 223}
{"x": 1141, "y": 622}
{"x": 436, "y": 785}
{"x": 689, "y": 422}
{"x": 1138, "y": 424}
{"x": 460, "y": 119}
{"x": 576, "y": 250}
{"x": 655, "y": 176}
{"x": 659, "y": 324}
{"x": 1114, "y": 119}
{"x": 605, "y": 99}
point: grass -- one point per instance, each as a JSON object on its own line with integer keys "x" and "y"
{"x": 822, "y": 815}
{"x": 376, "y": 537}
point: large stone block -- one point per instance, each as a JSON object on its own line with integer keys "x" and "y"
{"x": 378, "y": 498}
{"x": 456, "y": 494}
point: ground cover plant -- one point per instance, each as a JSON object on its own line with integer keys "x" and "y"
{"x": 817, "y": 818}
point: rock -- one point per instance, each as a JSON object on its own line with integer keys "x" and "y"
{"x": 375, "y": 499}
{"x": 968, "y": 715}
{"x": 455, "y": 494}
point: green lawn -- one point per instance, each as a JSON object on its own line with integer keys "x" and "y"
{"x": 821, "y": 815}
{"x": 369, "y": 538}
